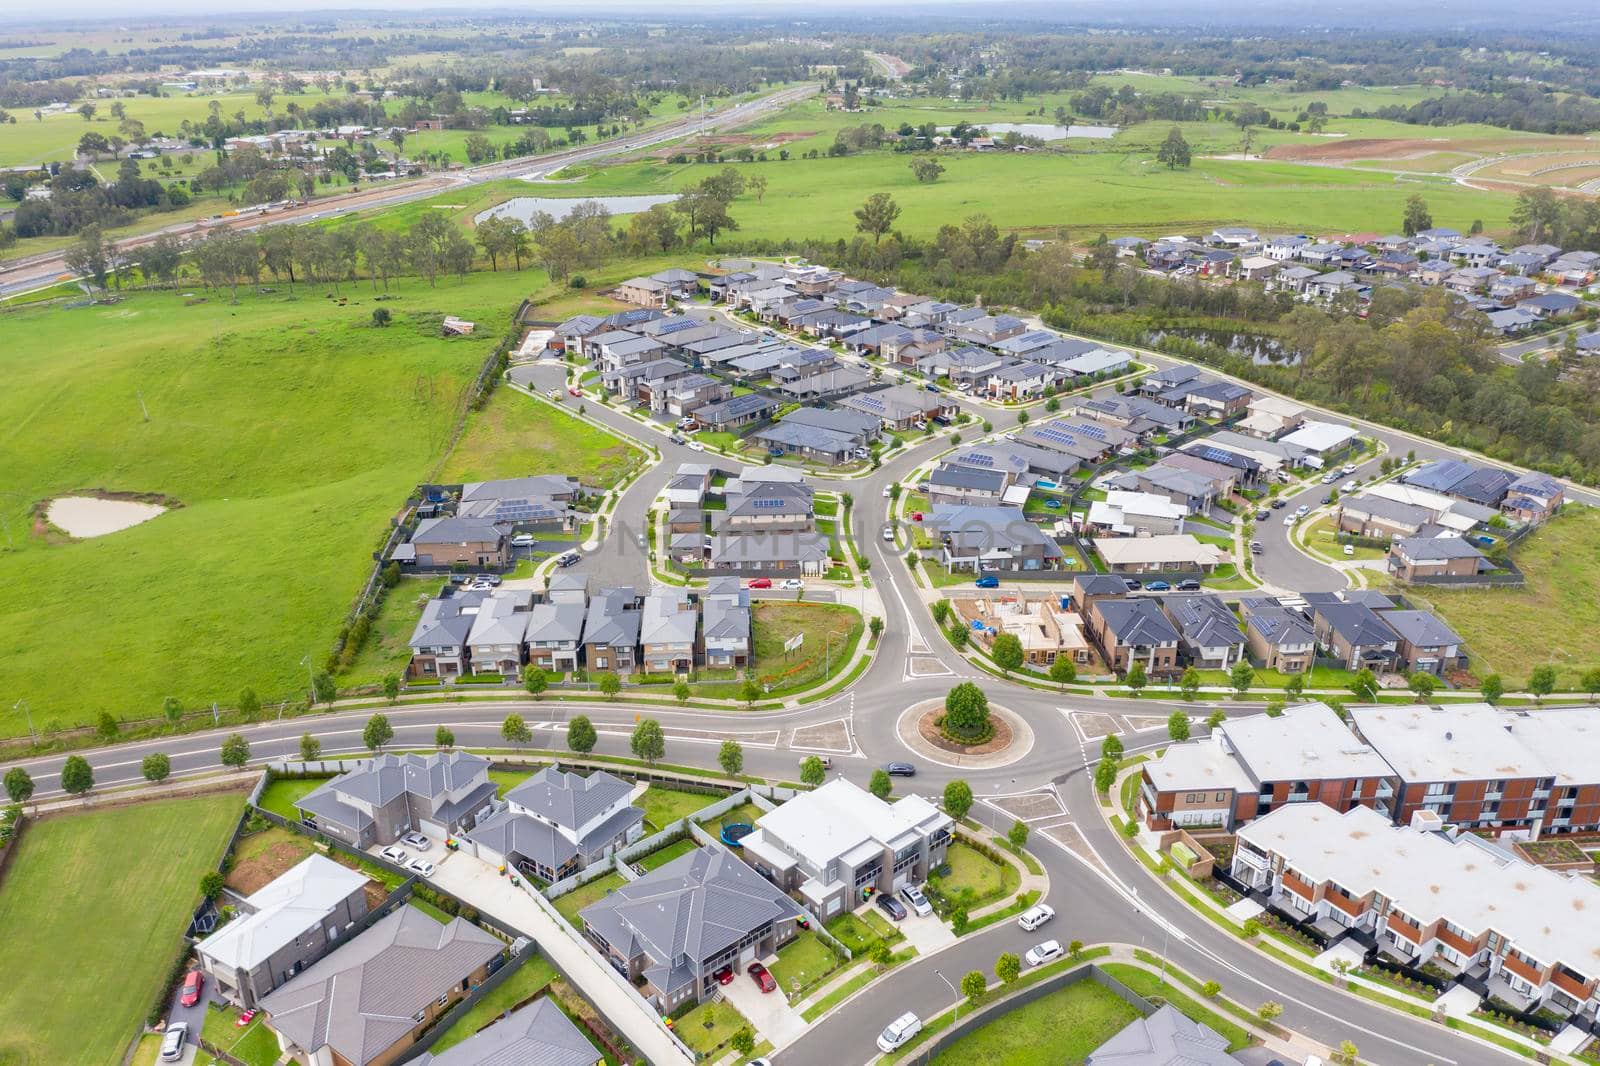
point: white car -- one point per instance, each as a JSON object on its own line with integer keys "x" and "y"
{"x": 1349, "y": 468}
{"x": 899, "y": 1032}
{"x": 916, "y": 900}
{"x": 522, "y": 540}
{"x": 888, "y": 533}
{"x": 1041, "y": 953}
{"x": 421, "y": 866}
{"x": 696, "y": 446}
{"x": 793, "y": 584}
{"x": 965, "y": 386}
{"x": 172, "y": 1041}
{"x": 1348, "y": 486}
{"x": 1349, "y": 549}
{"x": 1302, "y": 511}
{"x": 395, "y": 854}
{"x": 887, "y": 494}
{"x": 416, "y": 840}
{"x": 1288, "y": 519}
{"x": 1035, "y": 916}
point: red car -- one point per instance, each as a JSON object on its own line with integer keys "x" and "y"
{"x": 760, "y": 583}
{"x": 762, "y": 977}
{"x": 916, "y": 516}
{"x": 574, "y": 391}
{"x": 725, "y": 976}
{"x": 192, "y": 985}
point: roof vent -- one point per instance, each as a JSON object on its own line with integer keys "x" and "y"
{"x": 1449, "y": 735}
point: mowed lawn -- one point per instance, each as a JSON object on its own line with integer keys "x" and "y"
{"x": 1554, "y": 619}
{"x": 1061, "y": 1028}
{"x": 95, "y": 907}
{"x": 290, "y": 430}
{"x": 516, "y": 435}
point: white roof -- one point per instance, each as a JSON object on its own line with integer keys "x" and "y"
{"x": 1320, "y": 436}
{"x": 1307, "y": 742}
{"x": 1258, "y": 262}
{"x": 1199, "y": 765}
{"x": 1428, "y": 876}
{"x": 829, "y": 822}
{"x": 1481, "y": 742}
{"x": 1165, "y": 548}
{"x": 1144, "y": 503}
{"x": 283, "y": 909}
{"x": 1276, "y": 405}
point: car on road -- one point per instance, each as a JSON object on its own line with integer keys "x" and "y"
{"x": 522, "y": 540}
{"x": 1278, "y": 504}
{"x": 416, "y": 840}
{"x": 892, "y": 907}
{"x": 1157, "y": 586}
{"x": 1035, "y": 916}
{"x": 1189, "y": 584}
{"x": 1349, "y": 549}
{"x": 573, "y": 390}
{"x": 1262, "y": 516}
{"x": 931, "y": 387}
{"x": 1302, "y": 510}
{"x": 725, "y": 975}
{"x": 888, "y": 534}
{"x": 792, "y": 584}
{"x": 421, "y": 866}
{"x": 1348, "y": 486}
{"x": 696, "y": 446}
{"x": 1041, "y": 953}
{"x": 916, "y": 900}
{"x": 172, "y": 1041}
{"x": 568, "y": 559}
{"x": 678, "y": 438}
{"x": 1288, "y": 519}
{"x": 762, "y": 977}
{"x": 900, "y": 769}
{"x": 193, "y": 984}
{"x": 987, "y": 581}
{"x": 1349, "y": 468}
{"x": 887, "y": 491}
{"x": 899, "y": 1032}
{"x": 759, "y": 583}
{"x": 395, "y": 854}
{"x": 1256, "y": 548}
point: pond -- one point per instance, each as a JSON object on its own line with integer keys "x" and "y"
{"x": 1045, "y": 131}
{"x": 1262, "y": 349}
{"x": 559, "y": 207}
{"x": 90, "y": 516}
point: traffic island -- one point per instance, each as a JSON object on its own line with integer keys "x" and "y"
{"x": 1007, "y": 739}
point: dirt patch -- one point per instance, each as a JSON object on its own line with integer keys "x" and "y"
{"x": 46, "y": 530}
{"x": 928, "y": 728}
{"x": 263, "y": 857}
{"x": 723, "y": 141}
{"x": 1361, "y": 148}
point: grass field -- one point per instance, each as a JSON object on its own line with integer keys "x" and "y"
{"x": 975, "y": 873}
{"x": 280, "y": 796}
{"x": 88, "y": 888}
{"x": 1061, "y": 1027}
{"x": 831, "y": 631}
{"x": 802, "y": 962}
{"x": 663, "y": 806}
{"x": 709, "y": 1026}
{"x": 517, "y": 435}
{"x": 287, "y": 427}
{"x": 570, "y": 904}
{"x": 1555, "y": 618}
{"x": 254, "y": 1044}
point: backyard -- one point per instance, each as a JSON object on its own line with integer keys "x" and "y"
{"x": 803, "y": 962}
{"x": 709, "y": 1026}
{"x": 663, "y": 806}
{"x": 530, "y": 977}
{"x": 570, "y": 904}
{"x": 1058, "y": 1029}
{"x": 253, "y": 1044}
{"x": 280, "y": 796}
{"x": 973, "y": 877}
{"x": 104, "y": 918}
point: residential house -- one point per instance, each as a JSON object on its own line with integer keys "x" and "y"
{"x": 611, "y": 631}
{"x": 1317, "y": 442}
{"x": 1467, "y": 481}
{"x": 281, "y": 928}
{"x": 1270, "y": 417}
{"x": 1417, "y": 558}
{"x": 556, "y": 823}
{"x": 735, "y": 411}
{"x": 554, "y": 634}
{"x": 1171, "y": 551}
{"x": 1134, "y": 630}
{"x": 901, "y": 407}
{"x": 991, "y": 539}
{"x": 771, "y": 553}
{"x": 1354, "y": 635}
{"x": 808, "y": 442}
{"x": 1218, "y": 399}
{"x": 1256, "y": 268}
{"x": 381, "y": 799}
{"x": 497, "y": 640}
{"x": 985, "y": 330}
{"x": 646, "y": 292}
{"x": 1551, "y": 304}
{"x": 725, "y": 619}
{"x": 1097, "y": 364}
{"x": 1512, "y": 287}
{"x": 1195, "y": 491}
{"x": 1139, "y": 416}
{"x": 672, "y": 930}
{"x": 539, "y": 1032}
{"x": 370, "y": 1001}
{"x": 441, "y": 543}
{"x": 836, "y": 844}
{"x": 761, "y": 506}
{"x": 1279, "y": 638}
{"x": 1294, "y": 279}
{"x": 1018, "y": 379}
{"x": 1426, "y": 642}
{"x": 963, "y": 485}
{"x": 1533, "y": 498}
{"x": 668, "y": 628}
{"x": 439, "y": 640}
{"x": 1165, "y": 1038}
{"x": 1376, "y": 516}
{"x": 1013, "y": 458}
{"x": 1208, "y": 634}
{"x": 1127, "y": 514}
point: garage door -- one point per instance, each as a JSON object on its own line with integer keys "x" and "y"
{"x": 432, "y": 829}
{"x": 902, "y": 879}
{"x": 747, "y": 956}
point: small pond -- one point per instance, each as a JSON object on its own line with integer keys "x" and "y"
{"x": 1262, "y": 349}
{"x": 559, "y": 207}
{"x": 90, "y": 516}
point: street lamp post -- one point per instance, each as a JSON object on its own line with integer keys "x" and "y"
{"x": 23, "y": 703}
{"x": 953, "y": 991}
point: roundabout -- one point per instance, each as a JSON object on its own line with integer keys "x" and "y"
{"x": 1010, "y": 738}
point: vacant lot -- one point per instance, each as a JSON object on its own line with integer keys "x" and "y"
{"x": 287, "y": 427}
{"x": 1555, "y": 619}
{"x": 831, "y": 632}
{"x": 1060, "y": 1028}
{"x": 517, "y": 435}
{"x": 95, "y": 919}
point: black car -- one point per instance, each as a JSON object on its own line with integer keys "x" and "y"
{"x": 1189, "y": 584}
{"x": 1279, "y": 503}
{"x": 1262, "y": 516}
{"x": 1132, "y": 583}
{"x": 900, "y": 769}
{"x": 891, "y": 906}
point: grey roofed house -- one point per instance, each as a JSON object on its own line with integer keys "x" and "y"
{"x": 555, "y": 486}
{"x": 1165, "y": 1038}
{"x": 1203, "y": 620}
{"x": 1358, "y": 624}
{"x": 613, "y": 618}
{"x": 1280, "y": 626}
{"x": 443, "y": 791}
{"x": 570, "y": 800}
{"x": 539, "y": 1034}
{"x": 1421, "y": 628}
{"x": 450, "y": 530}
{"x": 898, "y": 403}
{"x": 839, "y": 379}
{"x": 1551, "y": 303}
{"x": 579, "y": 326}
{"x": 1385, "y": 509}
{"x": 666, "y": 618}
{"x": 987, "y": 529}
{"x": 1456, "y": 477}
{"x": 560, "y": 622}
{"x": 769, "y": 499}
{"x": 446, "y": 620}
{"x": 1025, "y": 343}
{"x": 735, "y": 409}
{"x": 1433, "y": 549}
{"x": 807, "y": 438}
{"x": 567, "y": 588}
{"x": 383, "y": 778}
{"x": 807, "y": 549}
{"x": 852, "y": 423}
{"x": 690, "y": 910}
{"x": 361, "y": 1000}
{"x": 966, "y": 478}
{"x": 1137, "y": 622}
{"x": 725, "y": 622}
{"x": 987, "y": 457}
{"x": 1060, "y": 350}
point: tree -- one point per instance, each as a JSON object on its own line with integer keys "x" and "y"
{"x": 1211, "y": 989}
{"x": 1422, "y": 683}
{"x": 877, "y": 216}
{"x": 1416, "y": 217}
{"x": 1189, "y": 683}
{"x": 310, "y": 748}
{"x": 172, "y": 710}
{"x": 875, "y": 627}
{"x": 1111, "y": 747}
{"x": 534, "y": 681}
{"x": 958, "y": 636}
{"x": 1174, "y": 151}
{"x": 648, "y": 742}
{"x": 87, "y": 111}
{"x": 610, "y": 685}
{"x": 957, "y": 799}
{"x": 391, "y": 688}
{"x": 973, "y": 985}
{"x": 958, "y": 921}
{"x": 966, "y": 710}
{"x": 19, "y": 784}
{"x": 812, "y": 771}
{"x": 443, "y": 737}
{"x": 1294, "y": 686}
{"x": 106, "y": 726}
{"x": 1216, "y": 718}
{"x": 90, "y": 256}
{"x": 926, "y": 168}
{"x": 1365, "y": 685}
{"x": 1075, "y": 950}
{"x": 1007, "y": 652}
{"x": 880, "y": 785}
{"x": 514, "y": 730}
{"x": 155, "y": 767}
{"x": 323, "y": 689}
{"x": 744, "y": 1042}
{"x": 581, "y": 735}
{"x": 682, "y": 691}
{"x": 880, "y": 954}
{"x": 1105, "y": 774}
{"x": 1269, "y": 1010}
{"x": 1062, "y": 671}
{"x": 1137, "y": 678}
{"x": 1018, "y": 834}
{"x": 1542, "y": 681}
{"x": 377, "y": 732}
{"x": 235, "y": 751}
{"x": 1491, "y": 688}
{"x": 249, "y": 705}
{"x": 731, "y": 758}
{"x": 1178, "y": 726}
{"x": 1007, "y": 967}
{"x": 1243, "y": 675}
{"x": 750, "y": 691}
{"x": 1348, "y": 1053}
{"x": 1591, "y": 681}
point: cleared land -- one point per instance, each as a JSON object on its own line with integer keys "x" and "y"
{"x": 517, "y": 435}
{"x": 108, "y": 893}
{"x": 831, "y": 633}
{"x": 1061, "y": 1027}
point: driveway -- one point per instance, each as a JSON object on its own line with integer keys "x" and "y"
{"x": 768, "y": 1012}
{"x": 195, "y": 1016}
{"x": 926, "y": 932}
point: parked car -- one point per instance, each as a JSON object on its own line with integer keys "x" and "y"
{"x": 759, "y": 583}
{"x": 1035, "y": 916}
{"x": 421, "y": 866}
{"x": 892, "y": 907}
{"x": 901, "y": 769}
{"x": 1288, "y": 519}
{"x": 522, "y": 540}
{"x": 1302, "y": 511}
{"x": 826, "y": 761}
{"x": 1330, "y": 477}
{"x": 395, "y": 854}
{"x": 1041, "y": 953}
{"x": 899, "y": 1032}
{"x": 1348, "y": 486}
{"x": 793, "y": 584}
{"x": 1157, "y": 586}
{"x": 1349, "y": 468}
{"x": 987, "y": 581}
{"x": 696, "y": 446}
{"x": 886, "y": 491}
{"x": 725, "y": 975}
{"x": 1189, "y": 584}
{"x": 554, "y": 393}
{"x": 916, "y": 900}
{"x": 1349, "y": 549}
{"x": 172, "y": 1041}
{"x": 931, "y": 387}
{"x": 1133, "y": 583}
{"x": 916, "y": 516}
{"x": 678, "y": 438}
{"x": 245, "y": 1018}
{"x": 194, "y": 982}
{"x": 761, "y": 976}
{"x": 416, "y": 840}
{"x": 1255, "y": 547}
{"x": 1277, "y": 504}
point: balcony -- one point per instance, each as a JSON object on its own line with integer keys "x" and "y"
{"x": 1405, "y": 930}
{"x": 1298, "y": 887}
{"x": 1529, "y": 973}
{"x": 1578, "y": 990}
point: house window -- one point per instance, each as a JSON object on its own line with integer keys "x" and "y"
{"x": 421, "y": 1014}
{"x": 600, "y": 662}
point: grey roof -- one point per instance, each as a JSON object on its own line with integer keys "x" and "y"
{"x": 508, "y": 833}
{"x": 382, "y": 778}
{"x": 1204, "y": 620}
{"x": 725, "y": 620}
{"x": 735, "y": 407}
{"x": 1165, "y": 1038}
{"x": 1421, "y": 549}
{"x": 1280, "y": 626}
{"x": 359, "y": 1000}
{"x": 668, "y": 617}
{"x": 1357, "y": 623}
{"x": 1101, "y": 585}
{"x": 988, "y": 528}
{"x": 695, "y": 906}
{"x": 446, "y": 620}
{"x": 965, "y": 477}
{"x": 1137, "y": 621}
{"x": 1421, "y": 628}
{"x": 771, "y": 498}
{"x": 451, "y": 530}
{"x": 853, "y": 423}
{"x": 811, "y": 438}
{"x": 1536, "y": 484}
{"x": 750, "y": 549}
{"x": 1389, "y": 510}
{"x": 579, "y": 326}
{"x": 613, "y": 618}
{"x": 555, "y": 623}
{"x": 518, "y": 487}
{"x": 568, "y": 799}
{"x": 539, "y": 1033}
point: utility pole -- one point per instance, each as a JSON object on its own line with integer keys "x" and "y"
{"x": 29, "y": 712}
